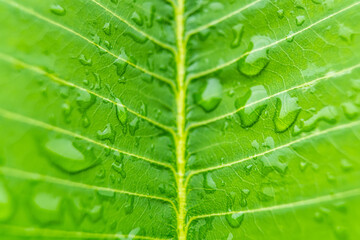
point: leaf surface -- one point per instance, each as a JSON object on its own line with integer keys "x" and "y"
{"x": 179, "y": 119}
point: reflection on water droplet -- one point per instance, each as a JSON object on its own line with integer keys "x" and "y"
{"x": 58, "y": 10}
{"x": 6, "y": 202}
{"x": 287, "y": 111}
{"x": 237, "y": 31}
{"x": 107, "y": 134}
{"x": 210, "y": 95}
{"x": 280, "y": 13}
{"x": 235, "y": 219}
{"x": 256, "y": 61}
{"x": 250, "y": 114}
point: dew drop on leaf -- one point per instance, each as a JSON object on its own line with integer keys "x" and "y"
{"x": 209, "y": 183}
{"x": 300, "y": 20}
{"x": 68, "y": 156}
{"x": 107, "y": 28}
{"x": 287, "y": 111}
{"x": 136, "y": 17}
{"x": 85, "y": 100}
{"x": 121, "y": 112}
{"x": 251, "y": 109}
{"x": 129, "y": 205}
{"x": 46, "y": 207}
{"x": 256, "y": 61}
{"x": 237, "y": 31}
{"x": 280, "y": 13}
{"x": 57, "y": 10}
{"x": 350, "y": 110}
{"x": 85, "y": 61}
{"x": 107, "y": 133}
{"x": 234, "y": 220}
{"x": 210, "y": 95}
{"x": 134, "y": 125}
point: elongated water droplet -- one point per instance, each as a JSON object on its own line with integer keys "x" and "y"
{"x": 209, "y": 183}
{"x": 256, "y": 61}
{"x": 237, "y": 31}
{"x": 280, "y": 13}
{"x": 137, "y": 19}
{"x": 85, "y": 100}
{"x": 121, "y": 112}
{"x": 250, "y": 108}
{"x": 129, "y": 206}
{"x": 134, "y": 125}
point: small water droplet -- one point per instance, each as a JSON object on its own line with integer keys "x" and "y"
{"x": 133, "y": 126}
{"x": 234, "y": 220}
{"x": 210, "y": 95}
{"x": 57, "y": 10}
{"x": 280, "y": 13}
{"x": 129, "y": 206}
{"x": 300, "y": 20}
{"x": 345, "y": 33}
{"x": 350, "y": 110}
{"x": 137, "y": 19}
{"x": 107, "y": 28}
{"x": 346, "y": 165}
{"x": 107, "y": 134}
{"x": 121, "y": 112}
{"x": 85, "y": 61}
{"x": 266, "y": 193}
{"x": 209, "y": 183}
{"x": 237, "y": 31}
{"x": 85, "y": 100}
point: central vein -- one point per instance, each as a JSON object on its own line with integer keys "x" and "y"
{"x": 180, "y": 121}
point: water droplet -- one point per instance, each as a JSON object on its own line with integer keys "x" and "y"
{"x": 84, "y": 61}
{"x": 47, "y": 207}
{"x": 350, "y": 110}
{"x": 300, "y": 20}
{"x": 230, "y": 236}
{"x": 118, "y": 165}
{"x": 209, "y": 183}
{"x": 290, "y": 37}
{"x": 85, "y": 100}
{"x": 346, "y": 165}
{"x": 137, "y": 19}
{"x": 280, "y": 13}
{"x": 251, "y": 105}
{"x": 69, "y": 156}
{"x": 255, "y": 144}
{"x": 269, "y": 143}
{"x": 107, "y": 28}
{"x": 95, "y": 213}
{"x": 266, "y": 193}
{"x": 129, "y": 206}
{"x": 58, "y": 10}
{"x": 341, "y": 233}
{"x": 85, "y": 121}
{"x": 210, "y": 95}
{"x": 345, "y": 33}
{"x": 6, "y": 203}
{"x": 256, "y": 61}
{"x": 287, "y": 111}
{"x": 121, "y": 112}
{"x": 235, "y": 219}
{"x": 216, "y": 6}
{"x": 328, "y": 114}
{"x": 303, "y": 165}
{"x": 143, "y": 109}
{"x": 134, "y": 125}
{"x": 237, "y": 31}
{"x": 120, "y": 67}
{"x": 107, "y": 134}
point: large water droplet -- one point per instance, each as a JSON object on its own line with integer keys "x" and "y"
{"x": 251, "y": 106}
{"x": 69, "y": 156}
{"x": 47, "y": 207}
{"x": 85, "y": 100}
{"x": 210, "y": 95}
{"x": 287, "y": 110}
{"x": 256, "y": 61}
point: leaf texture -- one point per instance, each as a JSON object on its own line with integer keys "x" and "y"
{"x": 164, "y": 119}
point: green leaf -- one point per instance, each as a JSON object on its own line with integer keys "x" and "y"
{"x": 175, "y": 119}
